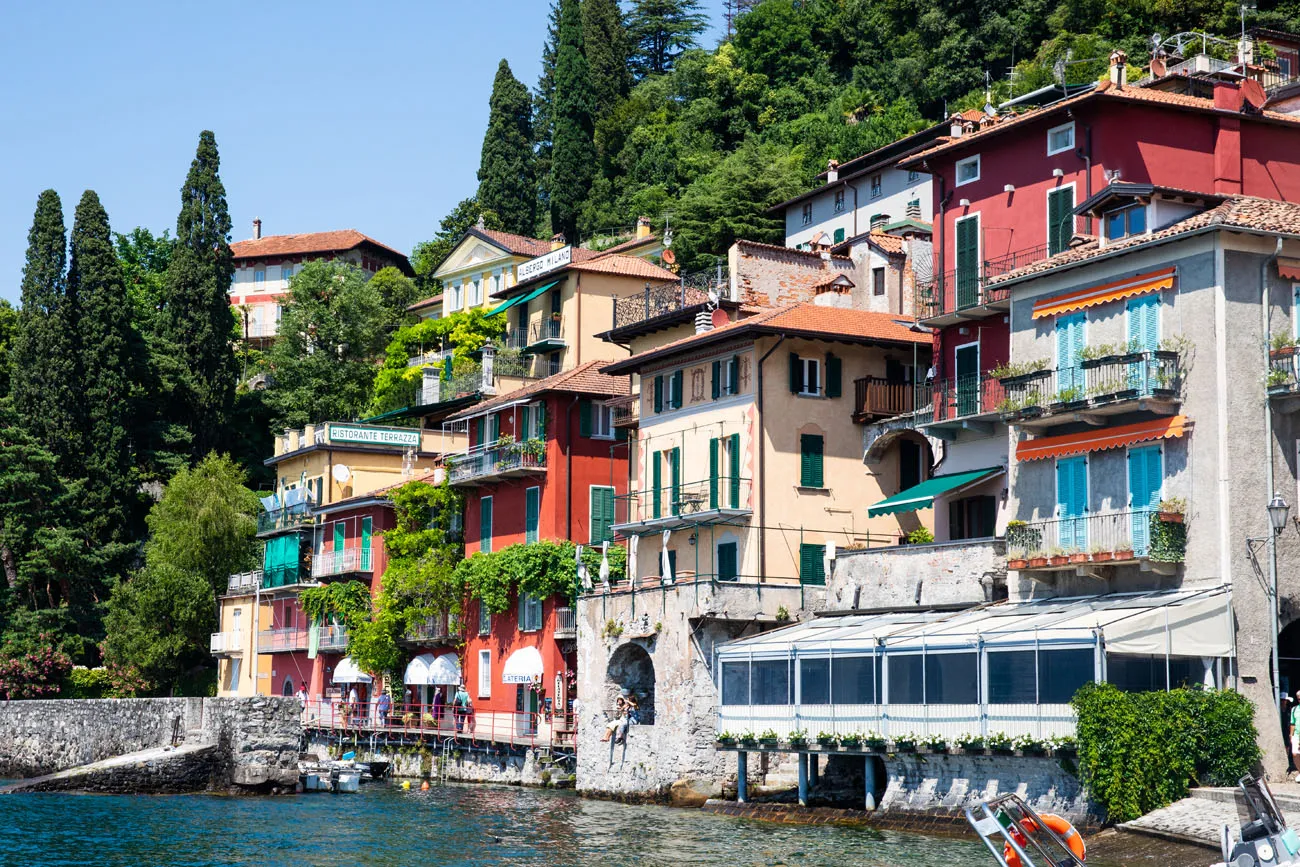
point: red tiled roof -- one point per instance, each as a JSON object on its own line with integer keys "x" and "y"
{"x": 623, "y": 266}
{"x": 805, "y": 320}
{"x": 888, "y": 243}
{"x": 310, "y": 242}
{"x": 520, "y": 245}
{"x": 427, "y": 302}
{"x": 631, "y": 244}
{"x": 583, "y": 379}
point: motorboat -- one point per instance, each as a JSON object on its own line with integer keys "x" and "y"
{"x": 1263, "y": 839}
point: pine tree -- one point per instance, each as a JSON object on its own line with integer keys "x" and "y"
{"x": 45, "y": 373}
{"x": 573, "y": 158}
{"x": 607, "y": 53}
{"x": 544, "y": 120}
{"x": 505, "y": 174}
{"x": 111, "y": 365}
{"x": 197, "y": 317}
{"x": 661, "y": 30}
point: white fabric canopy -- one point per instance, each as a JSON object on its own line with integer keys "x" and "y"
{"x": 522, "y": 666}
{"x": 1197, "y": 627}
{"x": 428, "y": 670}
{"x": 348, "y": 672}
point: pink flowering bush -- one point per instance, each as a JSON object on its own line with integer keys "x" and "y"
{"x": 37, "y": 673}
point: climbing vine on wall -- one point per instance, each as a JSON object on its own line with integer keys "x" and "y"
{"x": 347, "y": 602}
{"x": 540, "y": 569}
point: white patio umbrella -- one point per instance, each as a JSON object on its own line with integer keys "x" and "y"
{"x": 665, "y": 564}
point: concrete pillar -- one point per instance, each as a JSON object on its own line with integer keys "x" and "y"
{"x": 803, "y": 778}
{"x": 742, "y": 777}
{"x": 871, "y": 774}
{"x": 813, "y": 761}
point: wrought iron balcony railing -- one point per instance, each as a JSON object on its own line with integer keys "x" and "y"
{"x": 1097, "y": 383}
{"x": 333, "y": 637}
{"x": 702, "y": 502}
{"x": 950, "y": 400}
{"x": 282, "y": 640}
{"x": 1095, "y": 537}
{"x": 965, "y": 289}
{"x": 497, "y": 459}
{"x": 288, "y": 518}
{"x": 442, "y": 628}
{"x": 1283, "y": 367}
{"x": 665, "y": 298}
{"x": 565, "y": 624}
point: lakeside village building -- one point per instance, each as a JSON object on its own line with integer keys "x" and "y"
{"x": 1072, "y": 366}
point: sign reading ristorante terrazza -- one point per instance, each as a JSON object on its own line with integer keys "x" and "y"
{"x": 375, "y": 436}
{"x": 548, "y": 262}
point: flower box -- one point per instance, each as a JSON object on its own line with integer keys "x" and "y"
{"x": 1037, "y": 562}
{"x": 1170, "y": 517}
{"x": 768, "y": 742}
{"x": 905, "y": 746}
{"x": 1091, "y": 363}
{"x": 1058, "y": 559}
{"x": 1283, "y": 352}
{"x": 826, "y": 742}
{"x": 727, "y": 742}
{"x": 1017, "y": 563}
{"x": 1021, "y": 378}
{"x": 1079, "y": 558}
{"x": 1124, "y": 554}
{"x": 1102, "y": 556}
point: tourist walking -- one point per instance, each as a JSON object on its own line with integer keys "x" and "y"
{"x": 439, "y": 705}
{"x": 460, "y": 707}
{"x": 384, "y": 704}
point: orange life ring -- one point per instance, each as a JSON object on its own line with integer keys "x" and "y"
{"x": 1062, "y": 828}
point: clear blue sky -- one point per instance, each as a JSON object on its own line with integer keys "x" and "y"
{"x": 328, "y": 115}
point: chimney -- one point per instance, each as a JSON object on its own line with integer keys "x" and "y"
{"x": 955, "y": 128}
{"x": 914, "y": 209}
{"x": 642, "y": 227}
{"x": 879, "y": 221}
{"x": 557, "y": 240}
{"x": 832, "y": 171}
{"x": 1118, "y": 69}
{"x": 257, "y": 228}
{"x": 703, "y": 321}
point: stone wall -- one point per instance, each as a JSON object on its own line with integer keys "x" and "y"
{"x": 941, "y": 573}
{"x": 494, "y": 764}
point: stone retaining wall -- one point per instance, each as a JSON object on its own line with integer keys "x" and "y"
{"x": 464, "y": 764}
{"x": 186, "y": 770}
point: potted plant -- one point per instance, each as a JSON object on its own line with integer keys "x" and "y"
{"x": 1282, "y": 345}
{"x": 1076, "y": 557}
{"x": 1096, "y": 356}
{"x": 726, "y": 739}
{"x": 1063, "y": 744}
{"x": 998, "y": 742}
{"x": 1067, "y": 398}
{"x": 768, "y": 738}
{"x": 933, "y": 743}
{"x": 851, "y": 741}
{"x": 1172, "y": 510}
{"x": 1099, "y": 555}
{"x": 1277, "y": 380}
{"x": 874, "y": 741}
{"x": 1017, "y": 563}
{"x": 905, "y": 743}
{"x": 798, "y": 738}
{"x": 969, "y": 743}
{"x": 1029, "y": 745}
{"x": 1023, "y": 371}
{"x": 1037, "y": 560}
{"x": 1058, "y": 557}
{"x": 1124, "y": 553}
{"x": 827, "y": 739}
{"x": 748, "y": 738}
{"x": 1130, "y": 353}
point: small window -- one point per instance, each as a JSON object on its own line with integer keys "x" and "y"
{"x": 877, "y": 281}
{"x": 530, "y": 613}
{"x": 1126, "y": 222}
{"x": 1060, "y": 138}
{"x": 812, "y": 381}
{"x": 259, "y": 276}
{"x": 807, "y": 213}
{"x": 968, "y": 170}
{"x": 1284, "y": 65}
{"x": 484, "y": 619}
{"x": 972, "y": 518}
{"x": 485, "y": 674}
{"x": 875, "y": 186}
{"x": 839, "y": 200}
{"x": 913, "y": 175}
{"x": 286, "y": 273}
{"x": 602, "y": 421}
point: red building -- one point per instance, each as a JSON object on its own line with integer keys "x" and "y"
{"x": 545, "y": 462}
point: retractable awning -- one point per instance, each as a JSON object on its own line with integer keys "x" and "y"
{"x": 1153, "y": 281}
{"x": 428, "y": 670}
{"x": 1102, "y": 438}
{"x": 522, "y": 666}
{"x": 348, "y": 672}
{"x": 520, "y": 299}
{"x": 922, "y": 496}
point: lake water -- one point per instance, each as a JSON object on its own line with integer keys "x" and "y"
{"x": 460, "y": 825}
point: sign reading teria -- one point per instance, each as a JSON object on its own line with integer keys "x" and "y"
{"x": 552, "y": 260}
{"x": 375, "y": 436}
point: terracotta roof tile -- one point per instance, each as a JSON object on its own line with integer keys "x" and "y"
{"x": 310, "y": 242}
{"x": 583, "y": 379}
{"x": 520, "y": 245}
{"x": 623, "y": 266}
{"x": 888, "y": 243}
{"x": 630, "y": 244}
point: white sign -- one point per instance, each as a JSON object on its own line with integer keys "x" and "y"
{"x": 552, "y": 260}
{"x": 375, "y": 436}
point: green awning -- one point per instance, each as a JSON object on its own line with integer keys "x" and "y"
{"x": 520, "y": 299}
{"x": 922, "y": 496}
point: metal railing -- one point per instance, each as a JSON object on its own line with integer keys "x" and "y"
{"x": 665, "y": 298}
{"x": 1094, "y": 382}
{"x": 444, "y": 627}
{"x": 945, "y": 400}
{"x": 226, "y": 642}
{"x": 333, "y": 637}
{"x": 428, "y": 720}
{"x": 693, "y": 501}
{"x": 427, "y": 359}
{"x": 1282, "y": 373}
{"x": 244, "y": 582}
{"x": 626, "y": 412}
{"x": 282, "y": 640}
{"x": 549, "y": 329}
{"x": 565, "y": 624}
{"x": 1097, "y": 536}
{"x": 961, "y": 289}
{"x": 497, "y": 459}
{"x": 284, "y": 519}
{"x": 876, "y": 397}
{"x": 342, "y": 562}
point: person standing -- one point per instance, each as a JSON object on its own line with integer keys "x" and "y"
{"x": 460, "y": 707}
{"x": 384, "y": 704}
{"x": 439, "y": 705}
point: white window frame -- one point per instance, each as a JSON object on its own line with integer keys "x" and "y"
{"x": 913, "y": 176}
{"x": 807, "y": 214}
{"x": 485, "y": 674}
{"x": 491, "y": 530}
{"x": 839, "y": 200}
{"x": 877, "y": 186}
{"x": 232, "y": 673}
{"x": 1069, "y": 147}
{"x": 602, "y": 421}
{"x": 669, "y": 380}
{"x": 1125, "y": 210}
{"x": 484, "y": 619}
{"x": 810, "y": 364}
{"x": 455, "y": 296}
{"x": 259, "y": 277}
{"x": 973, "y": 160}
{"x": 729, "y": 388}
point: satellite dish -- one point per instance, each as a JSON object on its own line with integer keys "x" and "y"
{"x": 990, "y": 110}
{"x": 669, "y": 257}
{"x": 341, "y": 473}
{"x": 719, "y": 318}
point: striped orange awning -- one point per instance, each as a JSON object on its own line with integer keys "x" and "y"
{"x": 1102, "y": 438}
{"x": 1289, "y": 269}
{"x": 1153, "y": 281}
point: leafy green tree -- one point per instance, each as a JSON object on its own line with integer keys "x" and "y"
{"x": 196, "y": 307}
{"x": 776, "y": 39}
{"x": 544, "y": 120}
{"x": 396, "y": 293}
{"x": 465, "y": 331}
{"x": 8, "y": 331}
{"x": 45, "y": 377}
{"x": 573, "y": 155}
{"x": 661, "y": 30}
{"x": 429, "y": 255}
{"x": 423, "y": 551}
{"x": 606, "y": 42}
{"x": 506, "y": 183}
{"x": 331, "y": 333}
{"x": 111, "y": 362}
{"x": 202, "y": 529}
{"x": 144, "y": 257}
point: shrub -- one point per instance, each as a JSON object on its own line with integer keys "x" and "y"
{"x": 87, "y": 683}
{"x": 1140, "y": 751}
{"x": 920, "y": 536}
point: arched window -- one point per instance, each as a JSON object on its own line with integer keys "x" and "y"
{"x": 288, "y": 686}
{"x": 631, "y": 668}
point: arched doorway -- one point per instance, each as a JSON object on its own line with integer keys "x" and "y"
{"x": 287, "y": 689}
{"x": 631, "y": 668}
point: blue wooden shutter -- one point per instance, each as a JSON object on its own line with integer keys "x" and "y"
{"x": 532, "y": 513}
{"x": 713, "y": 471}
{"x": 1069, "y": 345}
{"x": 1145, "y": 479}
{"x": 735, "y": 471}
{"x": 1072, "y": 502}
{"x": 1144, "y": 323}
{"x": 656, "y": 482}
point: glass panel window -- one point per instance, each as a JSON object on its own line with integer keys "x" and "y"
{"x": 839, "y": 200}
{"x": 1133, "y": 673}
{"x": 875, "y": 186}
{"x": 1011, "y": 677}
{"x": 1062, "y": 672}
{"x": 968, "y": 170}
{"x": 853, "y": 679}
{"x": 1126, "y": 222}
{"x": 286, "y": 273}
{"x": 1060, "y": 138}
{"x": 951, "y": 678}
{"x": 770, "y": 682}
{"x": 485, "y": 674}
{"x": 913, "y": 175}
{"x": 807, "y": 213}
{"x": 812, "y": 381}
{"x": 602, "y": 421}
{"x": 735, "y": 682}
{"x": 530, "y": 613}
{"x": 259, "y": 276}
{"x": 814, "y": 681}
{"x": 484, "y": 619}
{"x": 905, "y": 680}
{"x": 877, "y": 281}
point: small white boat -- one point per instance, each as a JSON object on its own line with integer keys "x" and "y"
{"x": 347, "y": 781}
{"x": 1263, "y": 840}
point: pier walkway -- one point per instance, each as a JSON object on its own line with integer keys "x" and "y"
{"x": 1200, "y": 817}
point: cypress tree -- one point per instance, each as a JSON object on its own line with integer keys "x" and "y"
{"x": 198, "y": 321}
{"x": 505, "y": 174}
{"x": 110, "y": 363}
{"x": 45, "y": 379}
{"x": 607, "y": 53}
{"x": 573, "y": 156}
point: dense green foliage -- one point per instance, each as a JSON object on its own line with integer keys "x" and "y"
{"x": 397, "y": 385}
{"x": 573, "y": 146}
{"x": 540, "y": 569}
{"x": 608, "y": 52}
{"x": 8, "y": 329}
{"x": 346, "y": 602}
{"x": 506, "y": 183}
{"x": 661, "y": 30}
{"x": 396, "y": 293}
{"x": 1141, "y": 751}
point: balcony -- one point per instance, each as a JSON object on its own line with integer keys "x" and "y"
{"x": 1097, "y": 388}
{"x": 285, "y": 577}
{"x": 1282, "y": 382}
{"x": 626, "y": 411}
{"x": 1098, "y": 540}
{"x": 332, "y": 638}
{"x": 952, "y": 297}
{"x": 497, "y": 461}
{"x": 282, "y": 640}
{"x": 724, "y": 500}
{"x": 664, "y": 300}
{"x": 876, "y": 398}
{"x": 565, "y": 625}
{"x": 349, "y": 561}
{"x": 442, "y": 629}
{"x": 545, "y": 336}
{"x": 945, "y": 406}
{"x": 226, "y": 643}
{"x": 244, "y": 582}
{"x": 281, "y": 520}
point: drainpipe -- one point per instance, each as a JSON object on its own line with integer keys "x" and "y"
{"x": 1268, "y": 470}
{"x": 1085, "y": 153}
{"x": 937, "y": 264}
{"x": 568, "y": 467}
{"x": 855, "y": 207}
{"x": 762, "y": 477}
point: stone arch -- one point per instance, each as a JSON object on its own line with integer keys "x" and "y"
{"x": 887, "y": 435}
{"x": 287, "y": 689}
{"x": 630, "y": 667}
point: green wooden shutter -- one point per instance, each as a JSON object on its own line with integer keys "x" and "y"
{"x": 480, "y": 425}
{"x": 968, "y": 262}
{"x": 713, "y": 471}
{"x": 339, "y": 536}
{"x": 679, "y": 379}
{"x": 717, "y": 379}
{"x": 735, "y": 471}
{"x": 584, "y": 418}
{"x": 532, "y": 513}
{"x": 839, "y": 236}
{"x": 733, "y": 383}
{"x": 540, "y": 417}
{"x": 727, "y": 561}
{"x": 525, "y": 429}
{"x": 810, "y": 460}
{"x": 812, "y": 569}
{"x": 367, "y": 528}
{"x": 796, "y": 374}
{"x": 485, "y": 525}
{"x": 677, "y": 480}
{"x": 602, "y": 515}
{"x": 494, "y": 427}
{"x": 832, "y": 375}
{"x": 656, "y": 481}
{"x": 659, "y": 394}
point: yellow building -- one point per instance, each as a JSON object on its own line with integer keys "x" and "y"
{"x": 748, "y": 453}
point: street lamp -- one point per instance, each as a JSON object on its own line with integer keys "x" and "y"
{"x": 1278, "y": 509}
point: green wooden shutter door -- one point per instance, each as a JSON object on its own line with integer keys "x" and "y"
{"x": 602, "y": 515}
{"x": 968, "y": 262}
{"x": 811, "y": 568}
{"x": 584, "y": 418}
{"x": 727, "y": 561}
{"x": 733, "y": 385}
{"x": 1060, "y": 220}
{"x": 839, "y": 236}
{"x": 541, "y": 421}
{"x": 485, "y": 524}
{"x": 494, "y": 427}
{"x": 832, "y": 375}
{"x": 679, "y": 379}
{"x": 367, "y": 527}
{"x": 656, "y": 481}
{"x": 677, "y": 480}
{"x": 532, "y": 513}
{"x": 480, "y": 425}
{"x": 717, "y": 379}
{"x": 735, "y": 471}
{"x": 810, "y": 457}
{"x": 713, "y": 471}
{"x": 796, "y": 374}
{"x": 525, "y": 429}
{"x": 659, "y": 394}
{"x": 339, "y": 536}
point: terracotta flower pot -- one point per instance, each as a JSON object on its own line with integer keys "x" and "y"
{"x": 1124, "y": 554}
{"x": 1079, "y": 558}
{"x": 1058, "y": 560}
{"x": 1170, "y": 517}
{"x": 1037, "y": 562}
{"x": 1102, "y": 556}
{"x": 1017, "y": 564}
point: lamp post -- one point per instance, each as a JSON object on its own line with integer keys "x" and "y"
{"x": 1278, "y": 509}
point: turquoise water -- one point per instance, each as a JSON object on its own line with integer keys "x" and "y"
{"x": 451, "y": 825}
